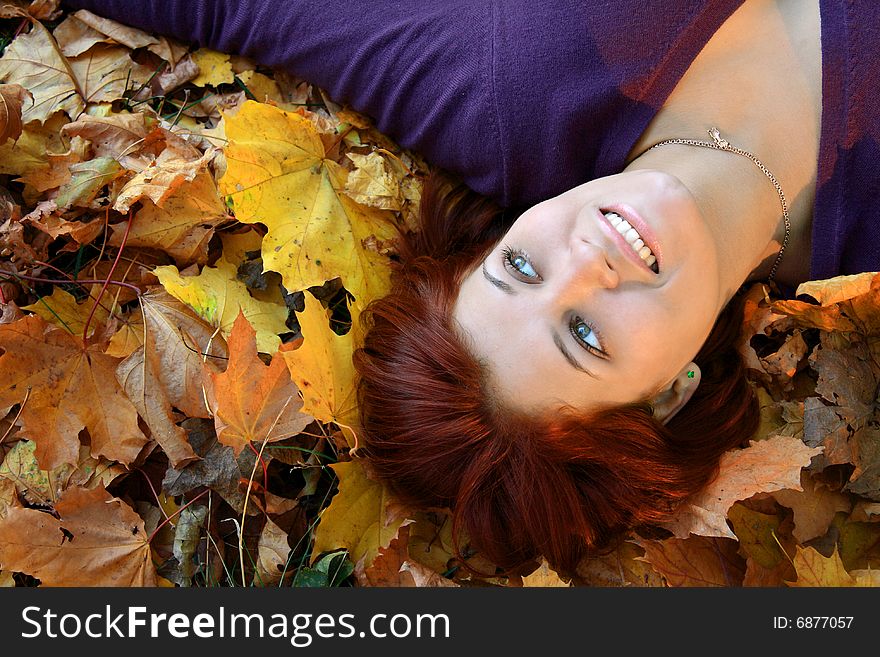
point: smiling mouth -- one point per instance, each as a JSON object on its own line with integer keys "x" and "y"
{"x": 633, "y": 239}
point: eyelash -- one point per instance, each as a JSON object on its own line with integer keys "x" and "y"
{"x": 508, "y": 255}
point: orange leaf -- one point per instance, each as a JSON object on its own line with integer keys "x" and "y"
{"x": 98, "y": 541}
{"x": 254, "y": 402}
{"x": 71, "y": 389}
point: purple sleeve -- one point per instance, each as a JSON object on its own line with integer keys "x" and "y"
{"x": 420, "y": 70}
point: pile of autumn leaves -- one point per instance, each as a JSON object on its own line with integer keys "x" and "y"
{"x": 192, "y": 421}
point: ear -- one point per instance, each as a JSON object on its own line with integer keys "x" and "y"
{"x": 676, "y": 394}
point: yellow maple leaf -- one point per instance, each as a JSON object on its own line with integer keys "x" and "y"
{"x": 63, "y": 310}
{"x": 262, "y": 87}
{"x": 813, "y": 569}
{"x": 217, "y": 296}
{"x": 322, "y": 369}
{"x": 361, "y": 518}
{"x": 214, "y": 68}
{"x": 278, "y": 174}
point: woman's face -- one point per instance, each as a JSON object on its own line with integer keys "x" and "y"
{"x": 564, "y": 311}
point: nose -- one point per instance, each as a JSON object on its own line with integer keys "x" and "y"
{"x": 590, "y": 264}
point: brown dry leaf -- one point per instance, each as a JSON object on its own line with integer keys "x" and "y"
{"x": 182, "y": 226}
{"x": 814, "y": 507}
{"x": 764, "y": 466}
{"x": 34, "y": 58}
{"x": 11, "y": 98}
{"x": 167, "y": 371}
{"x": 758, "y": 535}
{"x": 161, "y": 178}
{"x": 386, "y": 568}
{"x": 71, "y": 389}
{"x": 424, "y": 577}
{"x": 622, "y": 567}
{"x": 47, "y": 218}
{"x": 123, "y": 137}
{"x": 123, "y": 34}
{"x": 98, "y": 540}
{"x": 696, "y": 561}
{"x": 839, "y": 288}
{"x": 87, "y": 179}
{"x": 373, "y": 183}
{"x": 106, "y": 72}
{"x": 252, "y": 401}
{"x": 75, "y": 37}
{"x": 813, "y": 569}
{"x": 544, "y": 577}
{"x": 273, "y": 552}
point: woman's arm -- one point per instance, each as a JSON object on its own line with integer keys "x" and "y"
{"x": 420, "y": 69}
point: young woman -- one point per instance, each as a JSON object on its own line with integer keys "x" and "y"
{"x": 565, "y": 376}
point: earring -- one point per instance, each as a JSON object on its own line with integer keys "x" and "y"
{"x": 691, "y": 374}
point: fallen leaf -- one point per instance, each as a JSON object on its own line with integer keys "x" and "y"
{"x": 813, "y": 569}
{"x": 161, "y": 178}
{"x": 122, "y": 137}
{"x": 814, "y": 507}
{"x": 360, "y": 518}
{"x": 254, "y": 402}
{"x": 182, "y": 226}
{"x": 104, "y": 73}
{"x": 758, "y": 535}
{"x": 71, "y": 389}
{"x": 544, "y": 576}
{"x": 764, "y": 466}
{"x": 277, "y": 173}
{"x": 386, "y": 568}
{"x": 696, "y": 561}
{"x": 35, "y": 59}
{"x": 98, "y": 540}
{"x": 424, "y": 577}
{"x": 273, "y": 552}
{"x": 62, "y": 309}
{"x": 130, "y": 37}
{"x": 86, "y": 180}
{"x": 621, "y": 567}
{"x": 43, "y": 487}
{"x": 263, "y": 88}
{"x": 214, "y": 68}
{"x": 322, "y": 368}
{"x": 167, "y": 371}
{"x": 217, "y": 296}
{"x": 834, "y": 290}
{"x": 217, "y": 467}
{"x": 187, "y": 535}
{"x": 75, "y": 37}
{"x": 372, "y": 183}
{"x": 11, "y": 98}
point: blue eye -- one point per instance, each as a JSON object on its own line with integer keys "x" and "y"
{"x": 587, "y": 337}
{"x": 518, "y": 262}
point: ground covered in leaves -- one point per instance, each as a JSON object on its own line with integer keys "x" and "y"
{"x": 186, "y": 244}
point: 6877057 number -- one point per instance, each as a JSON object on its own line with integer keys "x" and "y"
{"x": 813, "y": 622}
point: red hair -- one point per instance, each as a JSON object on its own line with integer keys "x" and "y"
{"x": 561, "y": 485}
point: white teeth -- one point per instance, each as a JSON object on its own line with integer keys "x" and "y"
{"x": 631, "y": 235}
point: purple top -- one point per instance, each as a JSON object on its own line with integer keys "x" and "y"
{"x": 526, "y": 99}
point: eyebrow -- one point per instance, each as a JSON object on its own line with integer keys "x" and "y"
{"x": 497, "y": 282}
{"x": 557, "y": 339}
